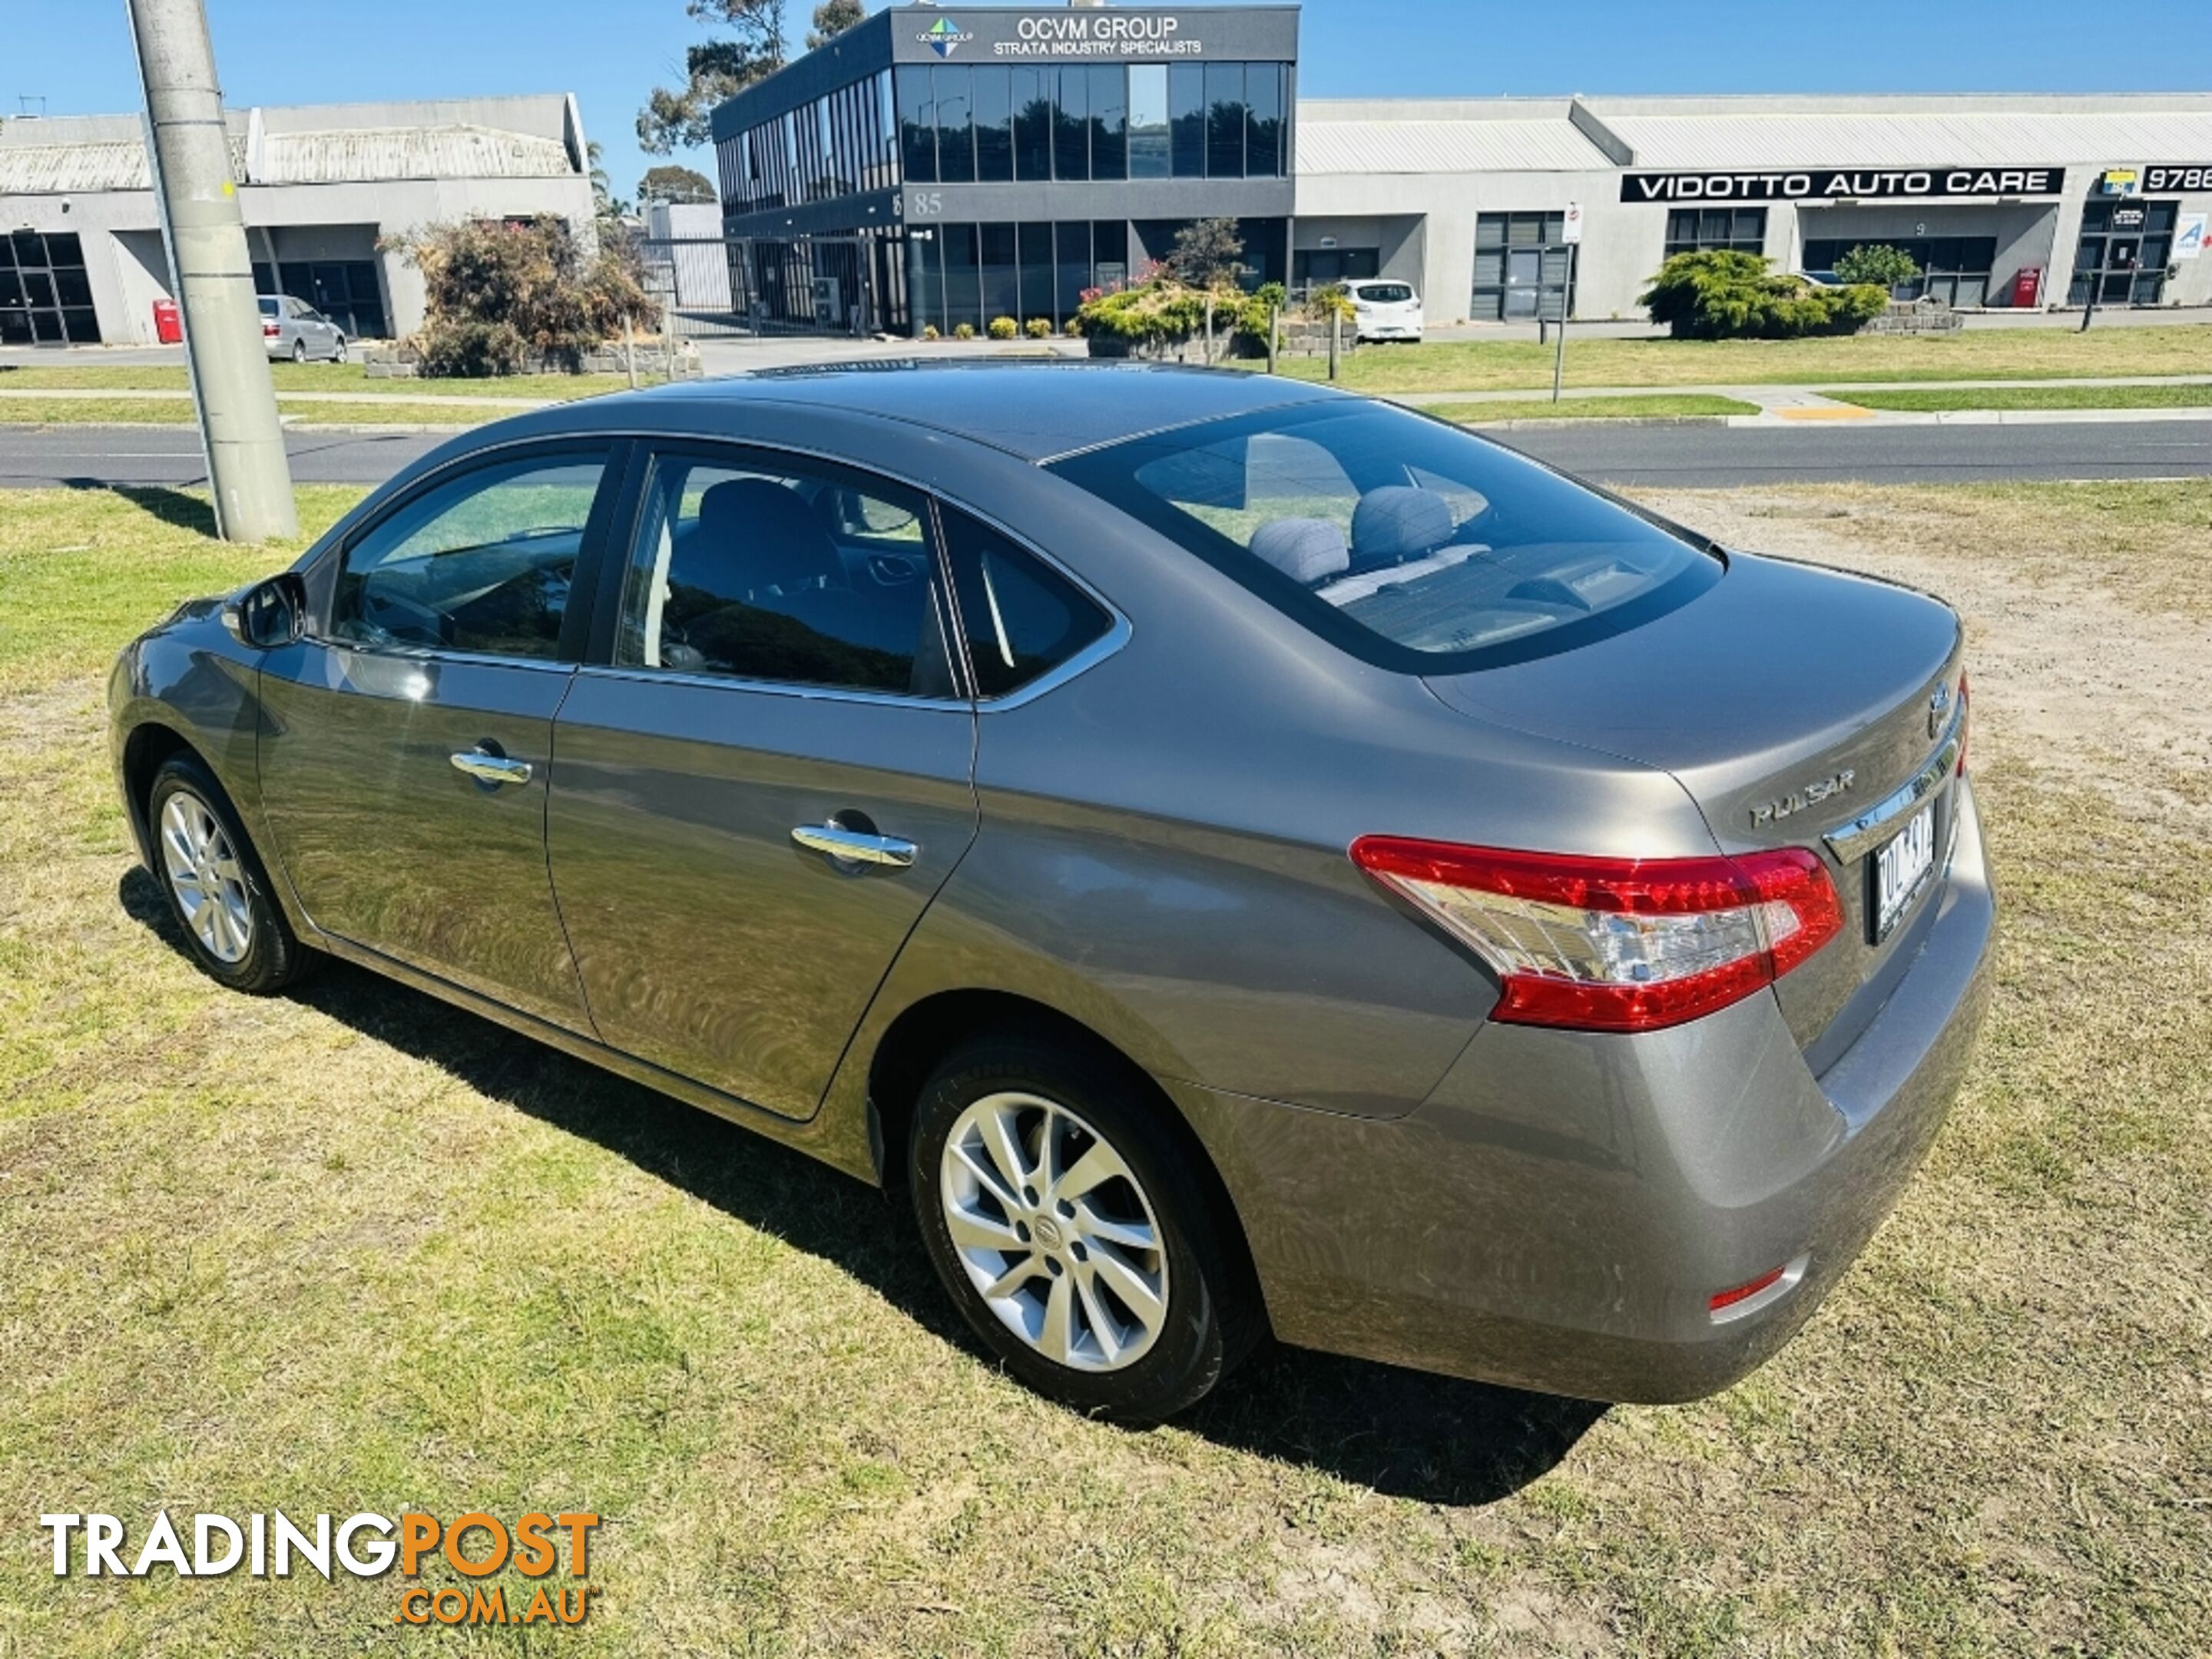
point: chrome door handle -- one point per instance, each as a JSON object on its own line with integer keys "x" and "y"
{"x": 853, "y": 847}
{"x": 491, "y": 769}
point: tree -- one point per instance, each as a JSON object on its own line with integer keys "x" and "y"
{"x": 831, "y": 19}
{"x": 1878, "y": 262}
{"x": 1209, "y": 254}
{"x": 1719, "y": 293}
{"x": 496, "y": 294}
{"x": 676, "y": 184}
{"x": 681, "y": 118}
{"x": 606, "y": 206}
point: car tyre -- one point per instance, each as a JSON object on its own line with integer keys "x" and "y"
{"x": 217, "y": 890}
{"x": 299, "y": 351}
{"x": 339, "y": 351}
{"x": 1128, "y": 1362}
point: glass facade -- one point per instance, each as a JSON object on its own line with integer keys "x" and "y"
{"x": 2123, "y": 251}
{"x": 46, "y": 298}
{"x": 838, "y": 144}
{"x": 345, "y": 291}
{"x": 1520, "y": 267}
{"x": 1952, "y": 269}
{"x": 962, "y": 124}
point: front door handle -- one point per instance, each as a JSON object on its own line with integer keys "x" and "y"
{"x": 491, "y": 769}
{"x": 854, "y": 847}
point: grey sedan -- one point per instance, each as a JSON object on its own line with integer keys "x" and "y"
{"x": 293, "y": 328}
{"x": 1245, "y": 860}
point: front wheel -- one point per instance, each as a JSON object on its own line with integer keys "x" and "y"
{"x": 339, "y": 351}
{"x": 217, "y": 890}
{"x": 1069, "y": 1227}
{"x": 299, "y": 351}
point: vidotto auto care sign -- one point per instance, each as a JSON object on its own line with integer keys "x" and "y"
{"x": 1844, "y": 184}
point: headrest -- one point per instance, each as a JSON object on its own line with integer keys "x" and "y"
{"x": 1307, "y": 550}
{"x": 768, "y": 533}
{"x": 1400, "y": 522}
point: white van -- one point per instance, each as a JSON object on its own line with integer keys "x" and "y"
{"x": 1382, "y": 310}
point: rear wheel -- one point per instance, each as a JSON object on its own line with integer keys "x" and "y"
{"x": 1068, "y": 1226}
{"x": 216, "y": 888}
{"x": 339, "y": 351}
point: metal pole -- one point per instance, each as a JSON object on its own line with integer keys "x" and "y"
{"x": 1335, "y": 336}
{"x": 212, "y": 272}
{"x": 1566, "y": 300}
{"x": 2089, "y": 302}
{"x": 1274, "y": 334}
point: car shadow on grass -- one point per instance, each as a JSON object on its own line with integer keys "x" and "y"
{"x": 1400, "y": 1432}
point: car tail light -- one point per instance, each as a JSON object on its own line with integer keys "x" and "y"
{"x": 1721, "y": 1299}
{"x": 1616, "y": 944}
{"x": 269, "y": 331}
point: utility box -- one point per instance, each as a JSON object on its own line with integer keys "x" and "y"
{"x": 828, "y": 303}
{"x": 168, "y": 322}
{"x": 2027, "y": 285}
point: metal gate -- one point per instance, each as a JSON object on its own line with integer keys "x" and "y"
{"x": 748, "y": 287}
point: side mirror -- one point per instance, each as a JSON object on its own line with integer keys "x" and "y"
{"x": 268, "y": 614}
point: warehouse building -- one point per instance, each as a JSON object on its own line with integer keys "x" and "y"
{"x": 323, "y": 188}
{"x": 937, "y": 166}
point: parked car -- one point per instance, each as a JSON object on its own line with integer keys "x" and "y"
{"x": 293, "y": 328}
{"x": 1245, "y": 859}
{"x": 1385, "y": 310}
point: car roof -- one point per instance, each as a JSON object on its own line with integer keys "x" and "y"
{"x": 1039, "y": 410}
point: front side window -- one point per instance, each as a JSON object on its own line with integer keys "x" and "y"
{"x": 783, "y": 572}
{"x": 1021, "y": 618}
{"x": 480, "y": 563}
{"x": 1405, "y": 541}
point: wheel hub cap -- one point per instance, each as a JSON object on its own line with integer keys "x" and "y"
{"x": 1055, "y": 1231}
{"x": 206, "y": 878}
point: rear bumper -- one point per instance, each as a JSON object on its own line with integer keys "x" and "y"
{"x": 1559, "y": 1214}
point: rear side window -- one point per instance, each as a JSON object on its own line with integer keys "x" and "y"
{"x": 1407, "y": 542}
{"x": 270, "y": 307}
{"x": 1021, "y": 618}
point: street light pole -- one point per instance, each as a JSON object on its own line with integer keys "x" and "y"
{"x": 212, "y": 272}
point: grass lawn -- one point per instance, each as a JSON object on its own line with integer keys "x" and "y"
{"x": 177, "y": 412}
{"x": 351, "y": 1249}
{"x": 2195, "y": 395}
{"x": 298, "y": 377}
{"x": 1670, "y": 405}
{"x": 2023, "y": 354}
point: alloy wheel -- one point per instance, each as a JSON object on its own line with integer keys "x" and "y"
{"x": 207, "y": 879}
{"x": 1055, "y": 1231}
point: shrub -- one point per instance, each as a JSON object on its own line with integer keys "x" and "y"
{"x": 964, "y": 330}
{"x": 1073, "y": 328}
{"x": 1720, "y": 295}
{"x": 1038, "y": 328}
{"x": 496, "y": 294}
{"x": 1878, "y": 262}
{"x": 929, "y": 332}
{"x": 1005, "y": 328}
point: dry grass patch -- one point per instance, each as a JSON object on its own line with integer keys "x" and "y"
{"x": 353, "y": 1250}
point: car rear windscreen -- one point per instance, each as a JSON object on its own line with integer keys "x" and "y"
{"x": 1406, "y": 540}
{"x": 1383, "y": 293}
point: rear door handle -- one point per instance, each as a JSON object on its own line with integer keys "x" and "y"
{"x": 855, "y": 846}
{"x": 491, "y": 769}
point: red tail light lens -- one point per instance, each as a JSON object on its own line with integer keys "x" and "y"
{"x": 1616, "y": 944}
{"x": 269, "y": 331}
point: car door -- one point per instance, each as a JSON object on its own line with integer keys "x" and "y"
{"x": 764, "y": 771}
{"x": 407, "y": 746}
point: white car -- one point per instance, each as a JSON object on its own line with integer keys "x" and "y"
{"x": 1385, "y": 310}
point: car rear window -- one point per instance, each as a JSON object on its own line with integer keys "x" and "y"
{"x": 270, "y": 307}
{"x": 1384, "y": 294}
{"x": 1406, "y": 540}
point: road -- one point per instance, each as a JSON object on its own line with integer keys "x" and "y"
{"x": 1687, "y": 456}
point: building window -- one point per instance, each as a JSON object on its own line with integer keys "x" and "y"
{"x": 1741, "y": 230}
{"x": 1520, "y": 267}
{"x": 994, "y": 124}
{"x": 1952, "y": 269}
{"x": 1032, "y": 101}
{"x": 1266, "y": 155}
{"x": 345, "y": 291}
{"x": 1110, "y": 121}
{"x": 917, "y": 112}
{"x": 1149, "y": 153}
{"x": 1070, "y": 126}
{"x": 956, "y": 143}
{"x": 1317, "y": 267}
{"x": 1187, "y": 119}
{"x": 1225, "y": 120}
{"x": 45, "y": 297}
{"x": 2122, "y": 249}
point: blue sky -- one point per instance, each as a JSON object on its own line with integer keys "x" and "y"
{"x": 76, "y": 53}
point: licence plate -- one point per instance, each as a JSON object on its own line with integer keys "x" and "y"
{"x": 1902, "y": 867}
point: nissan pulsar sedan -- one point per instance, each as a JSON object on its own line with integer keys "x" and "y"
{"x": 1245, "y": 860}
